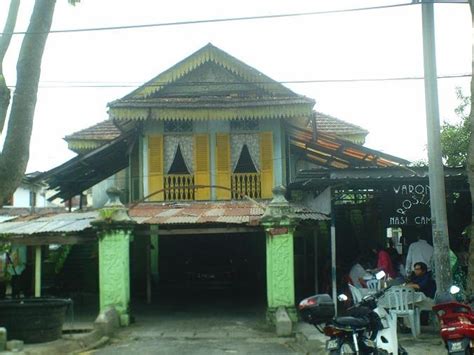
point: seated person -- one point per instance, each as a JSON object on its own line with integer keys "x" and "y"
{"x": 357, "y": 274}
{"x": 422, "y": 281}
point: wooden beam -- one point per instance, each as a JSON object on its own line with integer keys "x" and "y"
{"x": 33, "y": 240}
{"x": 221, "y": 230}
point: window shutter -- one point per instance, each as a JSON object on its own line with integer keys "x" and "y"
{"x": 201, "y": 166}
{"x": 223, "y": 165}
{"x": 266, "y": 164}
{"x": 155, "y": 166}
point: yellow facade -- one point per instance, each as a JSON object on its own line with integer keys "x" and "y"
{"x": 229, "y": 185}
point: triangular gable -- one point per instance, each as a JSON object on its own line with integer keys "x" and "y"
{"x": 210, "y": 53}
{"x": 210, "y": 85}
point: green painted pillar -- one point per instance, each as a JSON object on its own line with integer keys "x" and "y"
{"x": 114, "y": 271}
{"x": 280, "y": 267}
{"x": 114, "y": 228}
{"x": 279, "y": 221}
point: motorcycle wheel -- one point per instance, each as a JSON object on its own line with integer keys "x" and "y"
{"x": 345, "y": 348}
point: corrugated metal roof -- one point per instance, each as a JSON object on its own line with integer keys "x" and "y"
{"x": 6, "y": 218}
{"x": 59, "y": 223}
{"x": 235, "y": 212}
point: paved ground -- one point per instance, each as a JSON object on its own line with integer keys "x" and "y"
{"x": 429, "y": 342}
{"x": 224, "y": 325}
{"x": 227, "y": 326}
{"x": 193, "y": 326}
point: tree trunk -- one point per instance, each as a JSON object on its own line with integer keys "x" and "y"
{"x": 4, "y": 43}
{"x": 470, "y": 174}
{"x": 15, "y": 154}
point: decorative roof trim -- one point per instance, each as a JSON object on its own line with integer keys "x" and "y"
{"x": 203, "y": 114}
{"x": 85, "y": 144}
{"x": 209, "y": 53}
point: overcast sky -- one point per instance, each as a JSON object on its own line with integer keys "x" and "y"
{"x": 364, "y": 44}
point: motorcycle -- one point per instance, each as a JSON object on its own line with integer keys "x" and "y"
{"x": 456, "y": 321}
{"x": 366, "y": 329}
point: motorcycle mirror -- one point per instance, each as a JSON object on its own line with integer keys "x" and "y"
{"x": 380, "y": 275}
{"x": 342, "y": 298}
{"x": 454, "y": 289}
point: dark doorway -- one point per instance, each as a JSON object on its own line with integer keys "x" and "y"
{"x": 209, "y": 268}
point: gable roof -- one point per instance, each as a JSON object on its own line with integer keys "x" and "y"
{"x": 333, "y": 125}
{"x": 92, "y": 137}
{"x": 210, "y": 84}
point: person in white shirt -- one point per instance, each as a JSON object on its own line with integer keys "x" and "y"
{"x": 357, "y": 273}
{"x": 419, "y": 251}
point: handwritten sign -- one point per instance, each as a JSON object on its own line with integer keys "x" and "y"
{"x": 408, "y": 204}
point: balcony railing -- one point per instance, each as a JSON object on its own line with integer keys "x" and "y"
{"x": 247, "y": 184}
{"x": 179, "y": 187}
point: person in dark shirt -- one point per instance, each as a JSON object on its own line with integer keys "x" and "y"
{"x": 422, "y": 281}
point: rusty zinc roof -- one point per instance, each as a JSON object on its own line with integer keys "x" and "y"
{"x": 231, "y": 212}
{"x": 235, "y": 212}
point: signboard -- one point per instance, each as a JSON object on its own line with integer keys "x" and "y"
{"x": 407, "y": 204}
{"x": 278, "y": 231}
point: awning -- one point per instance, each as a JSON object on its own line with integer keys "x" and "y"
{"x": 82, "y": 172}
{"x": 332, "y": 152}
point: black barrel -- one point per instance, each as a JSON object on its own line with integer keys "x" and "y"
{"x": 33, "y": 320}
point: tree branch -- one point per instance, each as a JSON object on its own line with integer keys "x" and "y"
{"x": 8, "y": 29}
{"x": 4, "y": 44}
{"x": 14, "y": 158}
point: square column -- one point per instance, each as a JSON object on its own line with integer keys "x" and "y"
{"x": 280, "y": 267}
{"x": 114, "y": 272}
{"x": 279, "y": 221}
{"x": 114, "y": 229}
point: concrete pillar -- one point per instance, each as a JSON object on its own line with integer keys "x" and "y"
{"x": 114, "y": 228}
{"x": 279, "y": 222}
{"x": 280, "y": 267}
{"x": 114, "y": 272}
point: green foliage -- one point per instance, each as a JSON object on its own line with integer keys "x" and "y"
{"x": 58, "y": 257}
{"x": 455, "y": 137}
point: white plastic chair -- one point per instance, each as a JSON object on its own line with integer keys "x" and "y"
{"x": 373, "y": 284}
{"x": 356, "y": 294}
{"x": 401, "y": 303}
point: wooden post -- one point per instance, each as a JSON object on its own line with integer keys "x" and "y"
{"x": 38, "y": 271}
{"x": 316, "y": 261}
{"x": 148, "y": 270}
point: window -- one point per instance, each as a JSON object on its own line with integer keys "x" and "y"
{"x": 8, "y": 201}
{"x": 178, "y": 126}
{"x": 244, "y": 125}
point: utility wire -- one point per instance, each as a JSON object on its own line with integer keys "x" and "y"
{"x": 225, "y": 19}
{"x": 85, "y": 84}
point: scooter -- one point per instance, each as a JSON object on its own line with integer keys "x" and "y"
{"x": 367, "y": 328}
{"x": 456, "y": 322}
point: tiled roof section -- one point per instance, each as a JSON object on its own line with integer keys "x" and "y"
{"x": 232, "y": 212}
{"x": 102, "y": 131}
{"x": 331, "y": 124}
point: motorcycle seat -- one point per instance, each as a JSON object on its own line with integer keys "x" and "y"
{"x": 352, "y": 321}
